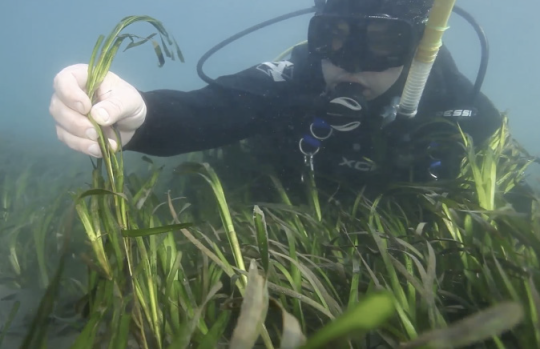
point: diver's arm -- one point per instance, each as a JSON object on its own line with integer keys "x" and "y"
{"x": 177, "y": 122}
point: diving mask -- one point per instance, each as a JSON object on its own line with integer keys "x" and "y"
{"x": 362, "y": 43}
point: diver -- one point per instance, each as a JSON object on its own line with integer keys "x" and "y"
{"x": 328, "y": 108}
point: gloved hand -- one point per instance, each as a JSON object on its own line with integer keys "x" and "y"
{"x": 119, "y": 103}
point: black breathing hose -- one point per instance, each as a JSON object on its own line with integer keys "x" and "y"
{"x": 484, "y": 60}
{"x": 235, "y": 37}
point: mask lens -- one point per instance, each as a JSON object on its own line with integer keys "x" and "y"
{"x": 387, "y": 38}
{"x": 327, "y": 34}
{"x": 361, "y": 43}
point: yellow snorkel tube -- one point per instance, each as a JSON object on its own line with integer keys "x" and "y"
{"x": 426, "y": 54}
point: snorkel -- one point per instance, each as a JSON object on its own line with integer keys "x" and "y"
{"x": 425, "y": 57}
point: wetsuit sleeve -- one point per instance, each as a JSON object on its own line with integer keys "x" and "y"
{"x": 239, "y": 106}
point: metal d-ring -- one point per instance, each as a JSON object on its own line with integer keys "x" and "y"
{"x": 309, "y": 154}
{"x": 318, "y": 137}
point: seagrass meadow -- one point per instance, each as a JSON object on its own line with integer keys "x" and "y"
{"x": 148, "y": 253}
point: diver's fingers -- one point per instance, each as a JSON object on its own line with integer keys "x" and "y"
{"x": 83, "y": 145}
{"x": 119, "y": 102}
{"x": 71, "y": 120}
{"x": 69, "y": 86}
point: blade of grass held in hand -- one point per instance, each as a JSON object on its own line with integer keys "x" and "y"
{"x": 100, "y": 62}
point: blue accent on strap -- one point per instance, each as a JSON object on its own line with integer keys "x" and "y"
{"x": 433, "y": 144}
{"x": 312, "y": 141}
{"x": 437, "y": 163}
{"x": 320, "y": 123}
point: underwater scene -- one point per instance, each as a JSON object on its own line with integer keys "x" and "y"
{"x": 239, "y": 174}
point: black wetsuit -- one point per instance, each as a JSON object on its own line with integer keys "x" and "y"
{"x": 272, "y": 104}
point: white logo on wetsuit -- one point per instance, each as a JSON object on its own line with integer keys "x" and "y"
{"x": 456, "y": 113}
{"x": 364, "y": 166}
{"x": 279, "y": 71}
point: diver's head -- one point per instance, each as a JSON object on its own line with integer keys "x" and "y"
{"x": 367, "y": 41}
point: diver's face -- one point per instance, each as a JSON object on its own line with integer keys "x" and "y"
{"x": 375, "y": 83}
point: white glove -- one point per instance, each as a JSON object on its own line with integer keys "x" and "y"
{"x": 118, "y": 103}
